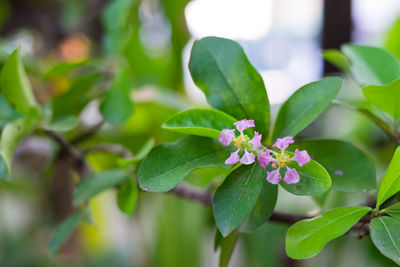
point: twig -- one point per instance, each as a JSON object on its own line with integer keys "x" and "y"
{"x": 187, "y": 192}
{"x": 116, "y": 149}
{"x": 65, "y": 145}
{"x": 86, "y": 134}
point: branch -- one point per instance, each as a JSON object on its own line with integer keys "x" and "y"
{"x": 65, "y": 146}
{"x": 86, "y": 134}
{"x": 116, "y": 149}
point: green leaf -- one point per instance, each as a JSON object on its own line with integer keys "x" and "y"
{"x": 217, "y": 240}
{"x": 393, "y": 39}
{"x": 168, "y": 164}
{"x": 372, "y": 65}
{"x": 220, "y": 68}
{"x": 62, "y": 124}
{"x": 263, "y": 209}
{"x": 307, "y": 238}
{"x": 64, "y": 231}
{"x": 393, "y": 211}
{"x": 96, "y": 183}
{"x": 386, "y": 97}
{"x": 337, "y": 59}
{"x": 305, "y": 105}
{"x": 127, "y": 197}
{"x": 227, "y": 247}
{"x": 62, "y": 68}
{"x": 390, "y": 183}
{"x": 314, "y": 179}
{"x": 140, "y": 155}
{"x": 15, "y": 86}
{"x": 236, "y": 197}
{"x": 386, "y": 236}
{"x": 202, "y": 122}
{"x": 349, "y": 168}
{"x": 118, "y": 106}
{"x": 11, "y": 136}
{"x": 7, "y": 113}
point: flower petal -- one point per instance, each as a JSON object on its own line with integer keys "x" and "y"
{"x": 301, "y": 157}
{"x": 233, "y": 158}
{"x": 274, "y": 177}
{"x": 244, "y": 124}
{"x": 264, "y": 158}
{"x": 226, "y": 136}
{"x": 256, "y": 141}
{"x": 283, "y": 143}
{"x": 248, "y": 158}
{"x": 291, "y": 176}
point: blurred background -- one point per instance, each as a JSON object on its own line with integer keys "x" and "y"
{"x": 151, "y": 40}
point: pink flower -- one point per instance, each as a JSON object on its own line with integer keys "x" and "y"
{"x": 244, "y": 124}
{"x": 264, "y": 158}
{"x": 301, "y": 157}
{"x": 226, "y": 136}
{"x": 233, "y": 158}
{"x": 291, "y": 176}
{"x": 256, "y": 141}
{"x": 283, "y": 143}
{"x": 248, "y": 158}
{"x": 274, "y": 177}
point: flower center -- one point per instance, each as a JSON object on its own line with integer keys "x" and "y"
{"x": 282, "y": 159}
{"x": 242, "y": 142}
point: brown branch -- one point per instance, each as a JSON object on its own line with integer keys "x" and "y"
{"x": 65, "y": 145}
{"x": 191, "y": 193}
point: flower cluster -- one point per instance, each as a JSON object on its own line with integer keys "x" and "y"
{"x": 252, "y": 148}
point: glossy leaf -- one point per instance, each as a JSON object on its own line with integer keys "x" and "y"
{"x": 314, "y": 179}
{"x": 386, "y": 97}
{"x": 15, "y": 86}
{"x": 349, "y": 168}
{"x": 127, "y": 197}
{"x": 168, "y": 164}
{"x": 372, "y": 65}
{"x": 236, "y": 197}
{"x": 220, "y": 68}
{"x": 337, "y": 58}
{"x": 64, "y": 231}
{"x": 96, "y": 183}
{"x": 263, "y": 209}
{"x": 202, "y": 122}
{"x": 307, "y": 238}
{"x": 393, "y": 210}
{"x": 386, "y": 236}
{"x": 390, "y": 183}
{"x": 62, "y": 124}
{"x": 227, "y": 247}
{"x": 118, "y": 106}
{"x": 305, "y": 105}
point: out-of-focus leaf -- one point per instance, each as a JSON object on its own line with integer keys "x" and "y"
{"x": 372, "y": 65}
{"x": 307, "y": 238}
{"x": 236, "y": 197}
{"x": 118, "y": 106}
{"x": 386, "y": 236}
{"x": 393, "y": 211}
{"x": 337, "y": 58}
{"x": 15, "y": 86}
{"x": 263, "y": 209}
{"x": 305, "y": 105}
{"x": 64, "y": 231}
{"x": 168, "y": 164}
{"x": 314, "y": 179}
{"x": 203, "y": 122}
{"x": 220, "y": 68}
{"x": 217, "y": 239}
{"x": 140, "y": 155}
{"x": 390, "y": 183}
{"x": 96, "y": 183}
{"x": 349, "y": 168}
{"x": 386, "y": 97}
{"x": 7, "y": 113}
{"x": 393, "y": 39}
{"x": 63, "y": 68}
{"x": 127, "y": 197}
{"x": 227, "y": 246}
{"x": 62, "y": 124}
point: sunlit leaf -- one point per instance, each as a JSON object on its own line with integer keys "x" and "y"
{"x": 337, "y": 58}
{"x": 127, "y": 196}
{"x": 390, "y": 183}
{"x": 386, "y": 236}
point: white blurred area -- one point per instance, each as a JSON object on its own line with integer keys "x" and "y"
{"x": 280, "y": 37}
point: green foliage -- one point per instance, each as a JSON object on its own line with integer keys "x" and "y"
{"x": 127, "y": 195}
{"x": 62, "y": 124}
{"x": 337, "y": 58}
{"x": 64, "y": 231}
{"x": 175, "y": 161}
{"x": 393, "y": 39}
{"x": 305, "y": 105}
{"x": 349, "y": 168}
{"x": 202, "y": 122}
{"x": 7, "y": 113}
{"x": 307, "y": 238}
{"x": 393, "y": 211}
{"x": 386, "y": 236}
{"x": 390, "y": 183}
{"x": 236, "y": 197}
{"x": 220, "y": 68}
{"x": 227, "y": 247}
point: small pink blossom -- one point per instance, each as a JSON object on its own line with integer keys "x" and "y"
{"x": 244, "y": 124}
{"x": 256, "y": 141}
{"x": 291, "y": 176}
{"x": 264, "y": 158}
{"x": 233, "y": 158}
{"x": 301, "y": 157}
{"x": 274, "y": 177}
{"x": 248, "y": 158}
{"x": 226, "y": 136}
{"x": 283, "y": 143}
